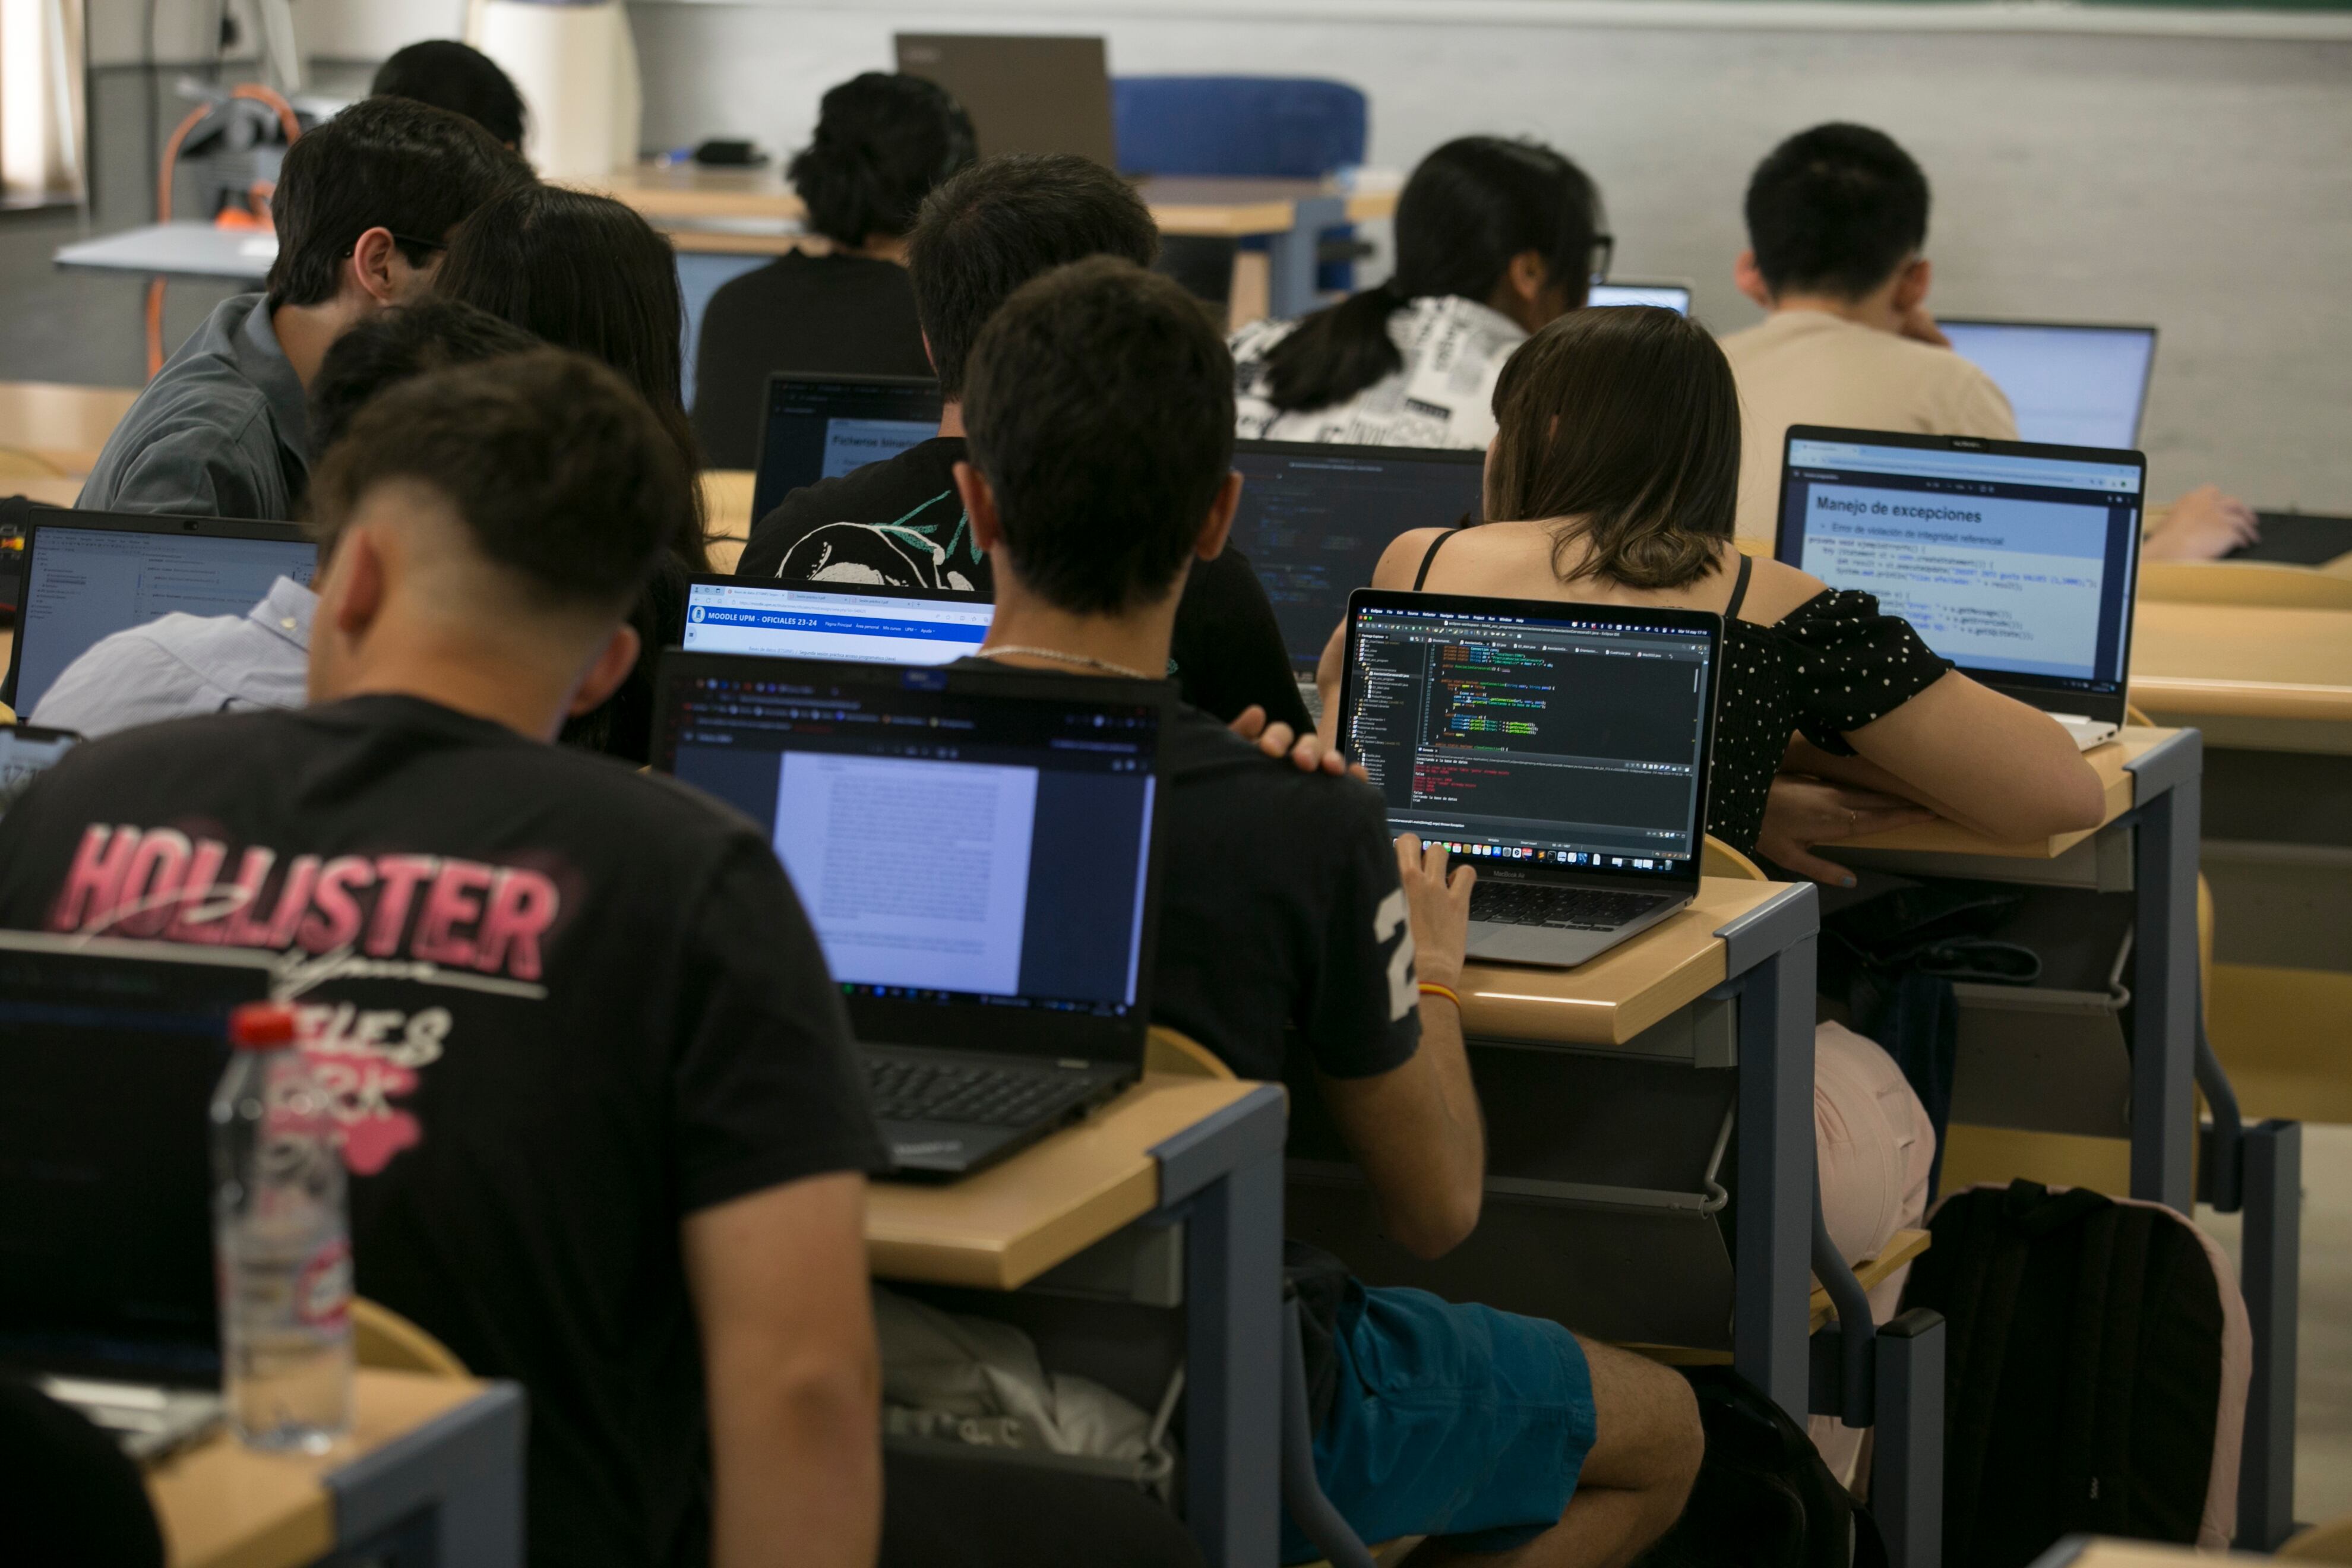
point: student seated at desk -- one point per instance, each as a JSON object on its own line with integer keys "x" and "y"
{"x": 363, "y": 209}
{"x": 462, "y": 79}
{"x": 1836, "y": 219}
{"x": 899, "y": 522}
{"x": 605, "y": 1132}
{"x": 179, "y": 664}
{"x": 882, "y": 142}
{"x": 1493, "y": 239}
{"x": 586, "y": 272}
{"x": 1099, "y": 393}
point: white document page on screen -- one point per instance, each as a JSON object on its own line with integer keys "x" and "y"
{"x": 851, "y": 444}
{"x": 1990, "y": 584}
{"x": 914, "y": 872}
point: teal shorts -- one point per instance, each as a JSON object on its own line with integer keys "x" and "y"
{"x": 1454, "y": 1421}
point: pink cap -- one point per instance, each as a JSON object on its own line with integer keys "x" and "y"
{"x": 261, "y": 1027}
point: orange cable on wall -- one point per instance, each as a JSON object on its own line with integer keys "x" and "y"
{"x": 287, "y": 120}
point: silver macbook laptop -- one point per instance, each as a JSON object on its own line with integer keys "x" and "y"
{"x": 2015, "y": 561}
{"x": 833, "y": 620}
{"x": 1561, "y": 749}
{"x": 2070, "y": 384}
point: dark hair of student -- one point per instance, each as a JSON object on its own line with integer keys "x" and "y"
{"x": 560, "y": 473}
{"x": 449, "y": 75}
{"x": 584, "y": 272}
{"x": 985, "y": 232}
{"x": 384, "y": 162}
{"x": 1625, "y": 421}
{"x": 882, "y": 142}
{"x": 1470, "y": 208}
{"x": 1101, "y": 409}
{"x": 1835, "y": 210}
{"x": 391, "y": 346}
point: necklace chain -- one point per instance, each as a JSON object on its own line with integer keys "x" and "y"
{"x": 1084, "y": 660}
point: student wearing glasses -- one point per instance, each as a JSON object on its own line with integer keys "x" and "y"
{"x": 1494, "y": 239}
{"x": 364, "y": 208}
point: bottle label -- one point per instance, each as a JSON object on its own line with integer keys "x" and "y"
{"x": 322, "y": 1294}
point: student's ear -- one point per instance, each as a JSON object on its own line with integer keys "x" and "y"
{"x": 1529, "y": 277}
{"x": 1218, "y": 527}
{"x": 384, "y": 274}
{"x": 610, "y": 667}
{"x": 928, "y": 355}
{"x": 1911, "y": 287}
{"x": 353, "y": 595}
{"x": 1749, "y": 280}
{"x": 980, "y": 506}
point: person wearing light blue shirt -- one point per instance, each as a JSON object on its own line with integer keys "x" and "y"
{"x": 179, "y": 664}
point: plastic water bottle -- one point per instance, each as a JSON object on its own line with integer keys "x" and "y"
{"x": 281, "y": 1241}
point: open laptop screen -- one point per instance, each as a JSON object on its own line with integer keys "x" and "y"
{"x": 1571, "y": 735}
{"x": 2013, "y": 560}
{"x": 976, "y": 843}
{"x": 820, "y": 427}
{"x": 2070, "y": 385}
{"x": 889, "y": 625}
{"x": 1314, "y": 519}
{"x": 1674, "y": 297}
{"x": 88, "y": 575}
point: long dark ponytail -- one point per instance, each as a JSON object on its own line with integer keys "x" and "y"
{"x": 1470, "y": 208}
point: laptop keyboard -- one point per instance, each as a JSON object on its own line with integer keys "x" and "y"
{"x": 1577, "y": 909}
{"x": 976, "y": 1096}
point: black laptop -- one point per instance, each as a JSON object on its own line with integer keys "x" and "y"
{"x": 821, "y": 426}
{"x": 975, "y": 848}
{"x": 2017, "y": 560}
{"x": 1561, "y": 749}
{"x": 109, "y": 1052}
{"x": 89, "y": 574}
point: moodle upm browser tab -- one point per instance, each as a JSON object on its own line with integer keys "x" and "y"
{"x": 796, "y": 623}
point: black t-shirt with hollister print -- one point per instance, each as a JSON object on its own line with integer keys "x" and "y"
{"x": 561, "y": 1006}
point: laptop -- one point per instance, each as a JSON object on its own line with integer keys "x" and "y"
{"x": 822, "y": 426}
{"x": 89, "y": 574}
{"x": 1314, "y": 519}
{"x": 1561, "y": 749}
{"x": 976, "y": 850}
{"x": 1023, "y": 94}
{"x": 27, "y": 752}
{"x": 2014, "y": 560}
{"x": 2070, "y": 384}
{"x": 1668, "y": 294}
{"x": 109, "y": 1052}
{"x": 833, "y": 620}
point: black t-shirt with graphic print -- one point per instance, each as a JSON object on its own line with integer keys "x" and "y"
{"x": 899, "y": 523}
{"x": 561, "y": 1007}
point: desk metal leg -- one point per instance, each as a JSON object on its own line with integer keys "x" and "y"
{"x": 2271, "y": 1278}
{"x": 1907, "y": 1467}
{"x": 1232, "y": 1256}
{"x": 1292, "y": 257}
{"x": 2164, "y": 1043}
{"x": 452, "y": 1488}
{"x": 1772, "y": 1247}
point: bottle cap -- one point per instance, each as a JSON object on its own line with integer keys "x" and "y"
{"x": 261, "y": 1027}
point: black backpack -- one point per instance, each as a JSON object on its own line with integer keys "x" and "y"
{"x": 1763, "y": 1499}
{"x": 2095, "y": 1376}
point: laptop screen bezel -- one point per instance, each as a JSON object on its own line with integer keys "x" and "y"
{"x": 2051, "y": 693}
{"x": 1035, "y": 1032}
{"x": 161, "y": 525}
{"x": 2147, "y": 373}
{"x": 762, "y": 501}
{"x": 1663, "y": 618}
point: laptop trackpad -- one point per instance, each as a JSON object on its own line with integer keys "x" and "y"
{"x": 1493, "y": 943}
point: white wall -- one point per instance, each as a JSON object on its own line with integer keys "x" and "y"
{"x": 2203, "y": 184}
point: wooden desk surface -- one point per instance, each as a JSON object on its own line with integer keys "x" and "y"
{"x": 1624, "y": 991}
{"x": 1952, "y": 838}
{"x": 62, "y": 424}
{"x": 224, "y": 1506}
{"x": 1002, "y": 1229}
{"x": 2243, "y": 661}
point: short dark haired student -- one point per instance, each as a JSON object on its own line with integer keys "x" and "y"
{"x": 605, "y": 1132}
{"x": 882, "y": 142}
{"x": 980, "y": 236}
{"x": 1493, "y": 239}
{"x": 363, "y": 210}
{"x": 458, "y": 78}
{"x": 586, "y": 272}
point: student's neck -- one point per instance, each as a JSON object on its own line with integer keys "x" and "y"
{"x": 1874, "y": 310}
{"x": 952, "y": 418}
{"x": 481, "y": 683}
{"x": 305, "y": 332}
{"x": 880, "y": 248}
{"x": 1134, "y": 643}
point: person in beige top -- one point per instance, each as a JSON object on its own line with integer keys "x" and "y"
{"x": 1836, "y": 219}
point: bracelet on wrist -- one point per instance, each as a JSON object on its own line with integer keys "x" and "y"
{"x": 1430, "y": 988}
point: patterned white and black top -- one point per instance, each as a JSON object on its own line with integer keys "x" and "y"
{"x": 1453, "y": 350}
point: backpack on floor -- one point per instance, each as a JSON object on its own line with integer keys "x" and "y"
{"x": 2096, "y": 1374}
{"x": 1763, "y": 1498}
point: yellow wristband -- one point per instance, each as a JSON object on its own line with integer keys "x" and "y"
{"x": 1428, "y": 989}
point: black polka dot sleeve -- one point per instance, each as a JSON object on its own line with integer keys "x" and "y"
{"x": 1850, "y": 665}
